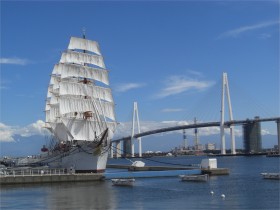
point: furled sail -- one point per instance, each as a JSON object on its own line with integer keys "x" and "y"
{"x": 79, "y": 103}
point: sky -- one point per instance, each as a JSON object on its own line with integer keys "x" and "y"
{"x": 168, "y": 56}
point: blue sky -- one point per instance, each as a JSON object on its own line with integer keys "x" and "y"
{"x": 168, "y": 56}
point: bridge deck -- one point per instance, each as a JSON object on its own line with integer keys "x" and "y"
{"x": 198, "y": 125}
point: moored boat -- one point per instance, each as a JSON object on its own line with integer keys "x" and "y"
{"x": 123, "y": 182}
{"x": 197, "y": 178}
{"x": 271, "y": 175}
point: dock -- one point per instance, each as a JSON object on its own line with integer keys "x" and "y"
{"x": 148, "y": 168}
{"x": 35, "y": 176}
{"x": 27, "y": 179}
{"x": 150, "y": 174}
{"x": 158, "y": 171}
{"x": 215, "y": 171}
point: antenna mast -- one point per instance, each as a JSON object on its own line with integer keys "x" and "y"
{"x": 84, "y": 32}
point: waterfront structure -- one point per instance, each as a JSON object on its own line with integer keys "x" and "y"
{"x": 210, "y": 146}
{"x": 252, "y": 137}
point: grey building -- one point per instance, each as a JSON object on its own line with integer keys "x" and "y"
{"x": 252, "y": 138}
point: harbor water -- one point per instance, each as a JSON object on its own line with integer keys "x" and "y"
{"x": 244, "y": 188}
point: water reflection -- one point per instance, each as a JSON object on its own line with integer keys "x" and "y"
{"x": 84, "y": 195}
{"x": 80, "y": 195}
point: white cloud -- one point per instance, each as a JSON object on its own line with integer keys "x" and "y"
{"x": 236, "y": 32}
{"x": 128, "y": 86}
{"x": 7, "y": 133}
{"x": 264, "y": 36}
{"x": 178, "y": 84}
{"x": 265, "y": 132}
{"x": 16, "y": 61}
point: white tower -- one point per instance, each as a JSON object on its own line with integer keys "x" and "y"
{"x": 135, "y": 114}
{"x": 225, "y": 87}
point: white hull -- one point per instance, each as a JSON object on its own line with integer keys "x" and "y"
{"x": 80, "y": 160}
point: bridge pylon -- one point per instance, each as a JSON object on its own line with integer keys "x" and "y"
{"x": 225, "y": 90}
{"x": 135, "y": 117}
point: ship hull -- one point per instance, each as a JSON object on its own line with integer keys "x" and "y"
{"x": 79, "y": 160}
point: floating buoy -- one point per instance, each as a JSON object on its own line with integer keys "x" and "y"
{"x": 223, "y": 196}
{"x": 212, "y": 193}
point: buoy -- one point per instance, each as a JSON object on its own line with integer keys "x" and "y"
{"x": 212, "y": 193}
{"x": 223, "y": 196}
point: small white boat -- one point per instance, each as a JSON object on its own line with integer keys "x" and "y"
{"x": 123, "y": 182}
{"x": 196, "y": 178}
{"x": 271, "y": 175}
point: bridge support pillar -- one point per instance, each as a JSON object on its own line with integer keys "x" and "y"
{"x": 225, "y": 90}
{"x": 278, "y": 135}
{"x": 118, "y": 149}
{"x": 127, "y": 148}
{"x": 135, "y": 117}
{"x": 112, "y": 150}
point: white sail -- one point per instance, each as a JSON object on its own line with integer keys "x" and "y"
{"x": 47, "y": 116}
{"x": 55, "y": 80}
{"x": 47, "y": 106}
{"x": 54, "y": 100}
{"x": 86, "y": 129}
{"x": 84, "y": 44}
{"x": 80, "y": 89}
{"x": 83, "y": 105}
{"x": 73, "y": 70}
{"x": 74, "y": 91}
{"x": 82, "y": 58}
{"x": 50, "y": 89}
{"x": 61, "y": 131}
{"x": 54, "y": 113}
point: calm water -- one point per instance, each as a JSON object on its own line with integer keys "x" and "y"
{"x": 244, "y": 189}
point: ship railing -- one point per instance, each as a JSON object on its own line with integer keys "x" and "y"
{"x": 33, "y": 172}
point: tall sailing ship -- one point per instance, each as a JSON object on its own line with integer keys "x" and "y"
{"x": 80, "y": 109}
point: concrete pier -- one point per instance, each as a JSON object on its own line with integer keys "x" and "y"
{"x": 148, "y": 168}
{"x": 215, "y": 171}
{"x": 47, "y": 178}
{"x": 146, "y": 174}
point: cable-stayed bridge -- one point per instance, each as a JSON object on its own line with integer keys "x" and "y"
{"x": 128, "y": 141}
{"x": 198, "y": 125}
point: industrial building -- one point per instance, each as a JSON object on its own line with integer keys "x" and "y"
{"x": 252, "y": 137}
